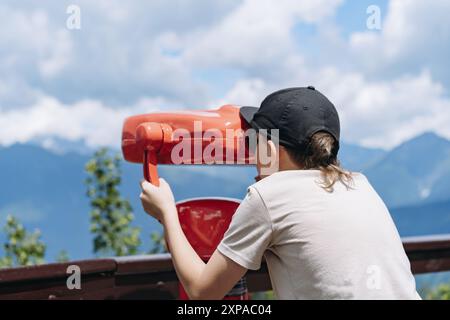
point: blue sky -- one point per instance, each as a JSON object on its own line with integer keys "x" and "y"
{"x": 61, "y": 87}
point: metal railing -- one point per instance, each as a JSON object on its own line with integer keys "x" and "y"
{"x": 153, "y": 276}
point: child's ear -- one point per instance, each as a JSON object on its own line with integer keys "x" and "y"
{"x": 272, "y": 150}
{"x": 274, "y": 153}
{"x": 270, "y": 162}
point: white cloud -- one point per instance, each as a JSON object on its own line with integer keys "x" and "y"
{"x": 15, "y": 92}
{"x": 118, "y": 55}
{"x": 386, "y": 113}
{"x": 88, "y": 120}
{"x": 81, "y": 86}
{"x": 30, "y": 44}
{"x": 246, "y": 92}
{"x": 256, "y": 34}
{"x": 373, "y": 113}
{"x": 415, "y": 35}
{"x": 54, "y": 61}
{"x": 405, "y": 99}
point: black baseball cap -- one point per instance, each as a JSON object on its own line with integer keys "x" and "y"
{"x": 298, "y": 113}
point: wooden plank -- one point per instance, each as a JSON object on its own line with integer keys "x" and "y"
{"x": 433, "y": 242}
{"x": 144, "y": 264}
{"x": 428, "y": 266}
{"x": 51, "y": 289}
{"x": 56, "y": 270}
{"x": 153, "y": 276}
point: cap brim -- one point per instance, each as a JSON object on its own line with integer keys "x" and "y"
{"x": 247, "y": 113}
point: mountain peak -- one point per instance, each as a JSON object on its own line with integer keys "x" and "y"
{"x": 414, "y": 170}
{"x": 426, "y": 142}
{"x": 428, "y": 135}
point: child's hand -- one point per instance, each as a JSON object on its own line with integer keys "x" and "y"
{"x": 157, "y": 201}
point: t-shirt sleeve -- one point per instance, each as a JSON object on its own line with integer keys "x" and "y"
{"x": 249, "y": 233}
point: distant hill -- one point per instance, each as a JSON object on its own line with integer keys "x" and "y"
{"x": 425, "y": 219}
{"x": 45, "y": 189}
{"x": 416, "y": 171}
{"x": 359, "y": 158}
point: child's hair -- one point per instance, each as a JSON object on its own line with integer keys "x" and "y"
{"x": 321, "y": 154}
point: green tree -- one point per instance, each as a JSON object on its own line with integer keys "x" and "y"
{"x": 21, "y": 247}
{"x": 111, "y": 215}
{"x": 158, "y": 243}
{"x": 441, "y": 292}
{"x": 262, "y": 295}
{"x": 62, "y": 256}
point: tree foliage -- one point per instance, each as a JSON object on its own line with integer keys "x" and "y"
{"x": 441, "y": 292}
{"x": 158, "y": 243}
{"x": 63, "y": 256}
{"x": 21, "y": 248}
{"x": 111, "y": 215}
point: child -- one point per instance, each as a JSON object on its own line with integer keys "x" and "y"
{"x": 324, "y": 232}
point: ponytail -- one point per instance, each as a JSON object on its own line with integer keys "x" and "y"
{"x": 321, "y": 154}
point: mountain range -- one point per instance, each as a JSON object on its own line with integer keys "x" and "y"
{"x": 46, "y": 190}
{"x": 415, "y": 172}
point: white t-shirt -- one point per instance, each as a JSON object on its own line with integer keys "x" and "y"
{"x": 318, "y": 244}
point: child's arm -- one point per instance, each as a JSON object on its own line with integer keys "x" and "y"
{"x": 201, "y": 281}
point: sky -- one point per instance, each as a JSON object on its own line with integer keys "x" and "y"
{"x": 61, "y": 85}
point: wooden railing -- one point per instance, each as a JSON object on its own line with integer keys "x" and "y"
{"x": 153, "y": 276}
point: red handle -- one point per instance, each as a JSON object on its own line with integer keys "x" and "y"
{"x": 150, "y": 169}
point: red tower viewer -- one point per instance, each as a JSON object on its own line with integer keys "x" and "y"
{"x": 150, "y": 139}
